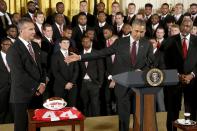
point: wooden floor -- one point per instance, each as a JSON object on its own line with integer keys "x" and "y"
{"x": 104, "y": 123}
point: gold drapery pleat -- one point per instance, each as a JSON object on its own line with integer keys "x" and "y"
{"x": 48, "y": 6}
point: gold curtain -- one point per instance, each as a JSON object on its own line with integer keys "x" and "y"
{"x": 48, "y": 6}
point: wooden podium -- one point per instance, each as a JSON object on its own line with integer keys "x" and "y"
{"x": 145, "y": 106}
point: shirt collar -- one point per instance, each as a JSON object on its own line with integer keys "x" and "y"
{"x": 3, "y": 54}
{"x": 187, "y": 37}
{"x": 101, "y": 24}
{"x": 155, "y": 26}
{"x": 64, "y": 52}
{"x": 87, "y": 51}
{"x": 120, "y": 25}
{"x": 131, "y": 15}
{"x": 2, "y": 14}
{"x": 132, "y": 40}
{"x": 26, "y": 43}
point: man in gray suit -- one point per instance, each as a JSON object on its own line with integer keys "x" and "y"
{"x": 131, "y": 53}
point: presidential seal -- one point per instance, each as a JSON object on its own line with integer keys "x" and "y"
{"x": 154, "y": 77}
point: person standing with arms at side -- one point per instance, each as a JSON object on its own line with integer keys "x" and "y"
{"x": 131, "y": 54}
{"x": 27, "y": 77}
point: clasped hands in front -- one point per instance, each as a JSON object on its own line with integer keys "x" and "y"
{"x": 185, "y": 79}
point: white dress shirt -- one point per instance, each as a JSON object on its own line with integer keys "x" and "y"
{"x": 5, "y": 61}
{"x": 7, "y": 17}
{"x": 86, "y": 77}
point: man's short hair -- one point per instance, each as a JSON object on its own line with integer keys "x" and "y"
{"x": 120, "y": 13}
{"x": 139, "y": 22}
{"x": 148, "y": 5}
{"x": 30, "y": 2}
{"x": 45, "y": 26}
{"x": 83, "y": 1}
{"x": 82, "y": 14}
{"x": 38, "y": 13}
{"x": 165, "y": 4}
{"x": 11, "y": 26}
{"x": 193, "y": 4}
{"x": 22, "y": 22}
{"x": 67, "y": 27}
{"x": 59, "y": 3}
{"x": 131, "y": 4}
{"x": 175, "y": 26}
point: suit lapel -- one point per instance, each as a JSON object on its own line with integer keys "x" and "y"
{"x": 2, "y": 64}
{"x": 191, "y": 49}
{"x": 140, "y": 52}
{"x": 179, "y": 45}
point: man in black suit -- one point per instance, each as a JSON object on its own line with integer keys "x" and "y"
{"x": 5, "y": 19}
{"x": 39, "y": 20}
{"x": 27, "y": 78}
{"x": 165, "y": 15}
{"x": 100, "y": 25}
{"x": 130, "y": 13}
{"x": 178, "y": 13}
{"x": 58, "y": 27}
{"x": 110, "y": 84}
{"x": 12, "y": 32}
{"x": 64, "y": 84}
{"x": 148, "y": 13}
{"x": 111, "y": 18}
{"x": 119, "y": 19}
{"x": 92, "y": 76}
{"x": 131, "y": 54}
{"x": 31, "y": 7}
{"x": 152, "y": 27}
{"x": 83, "y": 9}
{"x": 193, "y": 11}
{"x": 180, "y": 55}
{"x": 5, "y": 82}
{"x": 79, "y": 30}
{"x": 59, "y": 9}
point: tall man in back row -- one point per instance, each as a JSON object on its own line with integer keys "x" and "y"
{"x": 27, "y": 77}
{"x": 131, "y": 53}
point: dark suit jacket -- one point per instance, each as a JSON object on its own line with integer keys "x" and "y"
{"x": 129, "y": 21}
{"x": 51, "y": 19}
{"x": 56, "y": 33}
{"x": 120, "y": 33}
{"x": 38, "y": 33}
{"x": 76, "y": 36}
{"x": 179, "y": 21}
{"x": 5, "y": 84}
{"x": 100, "y": 36}
{"x": 122, "y": 62}
{"x": 26, "y": 74}
{"x": 174, "y": 60}
{"x": 109, "y": 20}
{"x": 150, "y": 32}
{"x": 90, "y": 20}
{"x": 63, "y": 72}
{"x": 2, "y": 30}
{"x": 95, "y": 70}
{"x": 27, "y": 16}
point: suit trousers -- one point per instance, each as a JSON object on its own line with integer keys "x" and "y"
{"x": 90, "y": 98}
{"x": 123, "y": 96}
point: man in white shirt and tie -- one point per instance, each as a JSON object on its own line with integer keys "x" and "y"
{"x": 65, "y": 74}
{"x": 92, "y": 75}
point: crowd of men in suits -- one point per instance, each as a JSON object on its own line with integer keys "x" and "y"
{"x": 33, "y": 52}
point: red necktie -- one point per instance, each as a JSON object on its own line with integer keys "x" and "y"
{"x": 108, "y": 43}
{"x": 184, "y": 48}
{"x": 133, "y": 53}
{"x": 158, "y": 45}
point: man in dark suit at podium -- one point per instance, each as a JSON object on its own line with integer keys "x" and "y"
{"x": 180, "y": 55}
{"x": 131, "y": 54}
